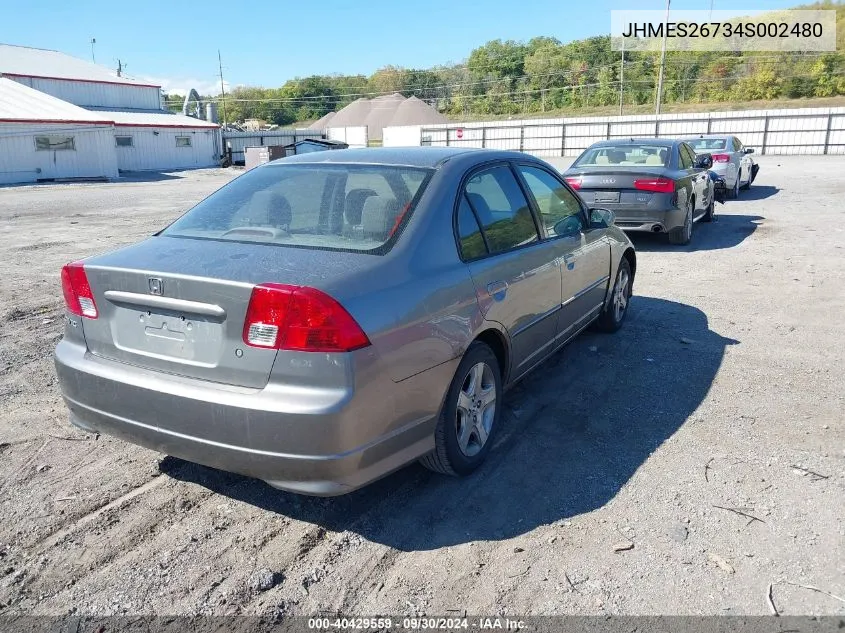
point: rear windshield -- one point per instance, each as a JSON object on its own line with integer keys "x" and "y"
{"x": 706, "y": 144}
{"x": 628, "y": 154}
{"x": 325, "y": 206}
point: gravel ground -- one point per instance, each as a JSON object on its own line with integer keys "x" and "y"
{"x": 677, "y": 467}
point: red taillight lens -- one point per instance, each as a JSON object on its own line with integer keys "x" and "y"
{"x": 573, "y": 181}
{"x": 303, "y": 319}
{"x": 78, "y": 296}
{"x": 720, "y": 158}
{"x": 658, "y": 185}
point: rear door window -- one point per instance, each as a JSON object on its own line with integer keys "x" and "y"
{"x": 687, "y": 159}
{"x": 501, "y": 208}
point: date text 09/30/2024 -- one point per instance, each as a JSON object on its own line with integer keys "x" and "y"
{"x": 417, "y": 624}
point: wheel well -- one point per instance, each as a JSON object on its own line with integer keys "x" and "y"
{"x": 496, "y": 342}
{"x": 631, "y": 256}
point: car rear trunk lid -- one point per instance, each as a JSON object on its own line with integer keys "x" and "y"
{"x": 178, "y": 305}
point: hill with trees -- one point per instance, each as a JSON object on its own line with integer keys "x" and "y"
{"x": 503, "y": 78}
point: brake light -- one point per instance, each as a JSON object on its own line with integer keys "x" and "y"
{"x": 720, "y": 158}
{"x": 573, "y": 181}
{"x": 658, "y": 185}
{"x": 77, "y": 291}
{"x": 302, "y": 319}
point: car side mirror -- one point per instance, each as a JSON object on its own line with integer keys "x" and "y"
{"x": 749, "y": 150}
{"x": 601, "y": 218}
{"x": 703, "y": 161}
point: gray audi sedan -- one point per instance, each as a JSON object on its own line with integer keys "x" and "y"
{"x": 327, "y": 318}
{"x": 655, "y": 185}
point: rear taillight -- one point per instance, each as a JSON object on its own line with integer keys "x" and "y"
{"x": 658, "y": 185}
{"x": 573, "y": 181}
{"x": 302, "y": 319}
{"x": 720, "y": 158}
{"x": 78, "y": 296}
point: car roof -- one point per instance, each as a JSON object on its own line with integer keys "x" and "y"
{"x": 667, "y": 142}
{"x": 409, "y": 156}
{"x": 711, "y": 136}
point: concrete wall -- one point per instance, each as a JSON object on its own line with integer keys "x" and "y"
{"x": 796, "y": 131}
{"x": 89, "y": 93}
{"x": 155, "y": 149}
{"x": 94, "y": 155}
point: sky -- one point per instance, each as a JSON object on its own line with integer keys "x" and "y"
{"x": 265, "y": 43}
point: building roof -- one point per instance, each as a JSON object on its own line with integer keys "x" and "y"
{"x": 381, "y": 112}
{"x": 22, "y": 104}
{"x": 23, "y": 61}
{"x": 150, "y": 118}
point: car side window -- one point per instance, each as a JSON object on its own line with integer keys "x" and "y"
{"x": 469, "y": 233}
{"x": 687, "y": 159}
{"x": 737, "y": 145}
{"x": 560, "y": 211}
{"x": 501, "y": 208}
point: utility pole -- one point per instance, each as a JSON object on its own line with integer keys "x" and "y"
{"x": 222, "y": 89}
{"x": 120, "y": 68}
{"x": 662, "y": 60}
{"x": 93, "y": 41}
{"x": 622, "y": 77}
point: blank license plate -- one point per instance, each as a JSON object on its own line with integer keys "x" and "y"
{"x": 607, "y": 196}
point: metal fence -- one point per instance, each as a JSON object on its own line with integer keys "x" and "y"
{"x": 238, "y": 141}
{"x": 804, "y": 131}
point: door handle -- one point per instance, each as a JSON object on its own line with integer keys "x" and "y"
{"x": 569, "y": 260}
{"x": 497, "y": 289}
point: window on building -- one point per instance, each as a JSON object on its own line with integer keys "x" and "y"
{"x": 51, "y": 143}
{"x": 183, "y": 141}
{"x": 123, "y": 141}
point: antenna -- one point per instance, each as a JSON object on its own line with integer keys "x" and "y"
{"x": 222, "y": 89}
{"x": 93, "y": 41}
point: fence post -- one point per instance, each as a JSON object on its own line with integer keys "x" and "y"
{"x": 563, "y": 139}
{"x": 709, "y": 124}
{"x": 827, "y": 133}
{"x": 447, "y": 136}
{"x": 656, "y": 128}
{"x": 521, "y": 136}
{"x": 608, "y": 130}
{"x": 765, "y": 134}
{"x": 484, "y": 137}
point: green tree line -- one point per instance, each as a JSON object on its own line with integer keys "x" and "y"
{"x": 545, "y": 74}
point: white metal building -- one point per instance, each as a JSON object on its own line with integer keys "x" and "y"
{"x": 44, "y": 138}
{"x": 128, "y": 114}
{"x": 160, "y": 140}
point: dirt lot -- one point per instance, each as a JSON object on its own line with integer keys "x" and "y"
{"x": 723, "y": 394}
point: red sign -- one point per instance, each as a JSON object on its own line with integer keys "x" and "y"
{"x": 459, "y": 133}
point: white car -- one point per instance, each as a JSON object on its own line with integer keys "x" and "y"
{"x": 731, "y": 160}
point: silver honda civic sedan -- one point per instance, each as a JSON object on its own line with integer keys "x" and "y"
{"x": 327, "y": 318}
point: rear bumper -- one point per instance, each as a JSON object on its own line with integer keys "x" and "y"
{"x": 267, "y": 433}
{"x": 649, "y": 220}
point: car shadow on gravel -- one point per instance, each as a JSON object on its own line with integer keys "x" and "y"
{"x": 726, "y": 232}
{"x": 756, "y": 192}
{"x": 572, "y": 435}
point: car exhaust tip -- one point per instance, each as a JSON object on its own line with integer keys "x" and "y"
{"x": 657, "y": 229}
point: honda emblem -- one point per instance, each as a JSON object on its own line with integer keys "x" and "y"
{"x": 156, "y": 286}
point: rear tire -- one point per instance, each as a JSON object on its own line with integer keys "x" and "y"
{"x": 470, "y": 415}
{"x": 710, "y": 212}
{"x": 734, "y": 193}
{"x": 681, "y": 235}
{"x": 614, "y": 312}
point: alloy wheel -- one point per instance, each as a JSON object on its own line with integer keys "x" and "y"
{"x": 476, "y": 409}
{"x": 620, "y": 295}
